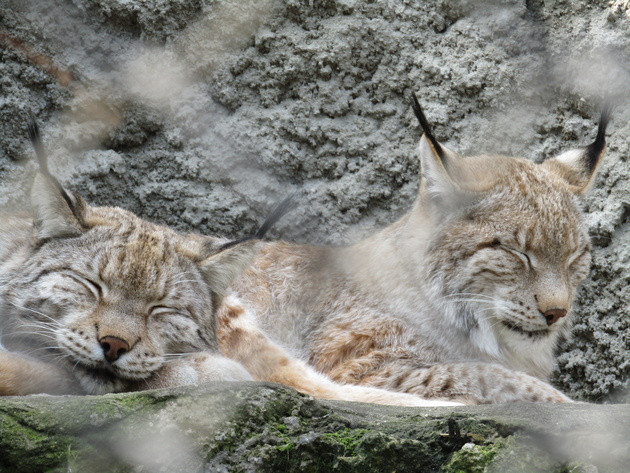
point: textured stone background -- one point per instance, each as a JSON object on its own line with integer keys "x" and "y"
{"x": 201, "y": 114}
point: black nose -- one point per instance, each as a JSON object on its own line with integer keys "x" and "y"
{"x": 553, "y": 315}
{"x": 113, "y": 347}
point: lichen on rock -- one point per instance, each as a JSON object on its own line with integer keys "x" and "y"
{"x": 268, "y": 428}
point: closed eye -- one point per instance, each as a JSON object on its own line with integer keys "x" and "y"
{"x": 526, "y": 258}
{"x": 93, "y": 287}
{"x": 162, "y": 309}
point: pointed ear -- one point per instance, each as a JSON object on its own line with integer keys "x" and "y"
{"x": 221, "y": 268}
{"x": 448, "y": 178}
{"x": 58, "y": 212}
{"x": 578, "y": 166}
{"x": 434, "y": 158}
{"x": 436, "y": 179}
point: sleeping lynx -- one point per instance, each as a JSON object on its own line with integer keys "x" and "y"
{"x": 465, "y": 298}
{"x": 96, "y": 300}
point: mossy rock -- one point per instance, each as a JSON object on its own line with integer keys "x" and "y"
{"x": 228, "y": 427}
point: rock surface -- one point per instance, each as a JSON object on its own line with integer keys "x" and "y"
{"x": 200, "y": 114}
{"x": 270, "y": 428}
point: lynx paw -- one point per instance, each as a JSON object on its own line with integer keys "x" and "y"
{"x": 214, "y": 367}
{"x": 198, "y": 368}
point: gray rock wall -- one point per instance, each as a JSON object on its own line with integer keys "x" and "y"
{"x": 201, "y": 114}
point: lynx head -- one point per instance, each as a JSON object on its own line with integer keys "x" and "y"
{"x": 508, "y": 245}
{"x": 111, "y": 295}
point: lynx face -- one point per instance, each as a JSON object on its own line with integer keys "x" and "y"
{"x": 516, "y": 256}
{"x": 508, "y": 247}
{"x": 115, "y": 300}
{"x": 103, "y": 293}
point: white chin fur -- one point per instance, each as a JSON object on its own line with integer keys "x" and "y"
{"x": 96, "y": 384}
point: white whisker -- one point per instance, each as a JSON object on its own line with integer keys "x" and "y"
{"x": 179, "y": 355}
{"x": 30, "y": 332}
{"x": 182, "y": 282}
{"x": 29, "y": 352}
{"x": 477, "y": 294}
{"x": 62, "y": 356}
{"x": 473, "y": 300}
{"x": 42, "y": 325}
{"x": 36, "y": 312}
{"x": 470, "y": 297}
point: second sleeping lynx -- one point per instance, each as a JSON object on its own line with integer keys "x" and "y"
{"x": 96, "y": 300}
{"x": 465, "y": 298}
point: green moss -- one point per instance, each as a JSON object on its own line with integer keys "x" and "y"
{"x": 17, "y": 438}
{"x": 279, "y": 433}
{"x": 67, "y": 432}
{"x": 278, "y": 427}
{"x": 348, "y": 439}
{"x": 270, "y": 429}
{"x": 514, "y": 454}
{"x": 472, "y": 458}
{"x": 287, "y": 445}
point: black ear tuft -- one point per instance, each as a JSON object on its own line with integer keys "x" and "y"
{"x": 58, "y": 213}
{"x": 42, "y": 160}
{"x": 284, "y": 207}
{"x": 594, "y": 150}
{"x": 36, "y": 140}
{"x": 426, "y": 128}
{"x": 226, "y": 263}
{"x": 276, "y": 214}
{"x": 578, "y": 166}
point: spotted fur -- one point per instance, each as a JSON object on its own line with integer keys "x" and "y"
{"x": 463, "y": 299}
{"x": 97, "y": 300}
